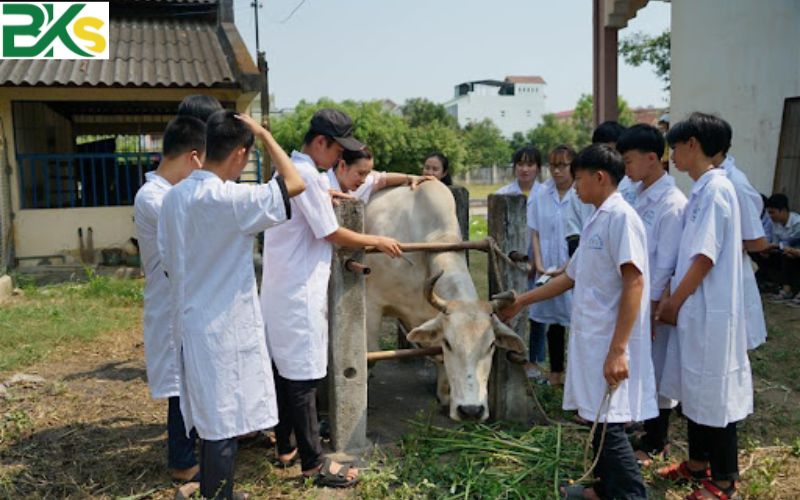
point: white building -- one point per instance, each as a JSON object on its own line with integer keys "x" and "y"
{"x": 515, "y": 104}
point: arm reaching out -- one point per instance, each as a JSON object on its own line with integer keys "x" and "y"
{"x": 283, "y": 165}
{"x": 347, "y": 238}
{"x": 555, "y": 286}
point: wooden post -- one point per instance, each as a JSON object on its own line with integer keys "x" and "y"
{"x": 510, "y": 396}
{"x": 347, "y": 367}
{"x": 461, "y": 195}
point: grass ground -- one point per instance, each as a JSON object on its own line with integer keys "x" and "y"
{"x": 481, "y": 191}
{"x": 90, "y": 430}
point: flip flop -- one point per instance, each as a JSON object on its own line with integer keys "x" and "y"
{"x": 326, "y": 478}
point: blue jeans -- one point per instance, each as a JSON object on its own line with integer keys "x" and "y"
{"x": 536, "y": 352}
{"x": 180, "y": 449}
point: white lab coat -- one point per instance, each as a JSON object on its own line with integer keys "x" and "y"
{"x": 750, "y": 207}
{"x": 547, "y": 218}
{"x": 661, "y": 207}
{"x": 294, "y": 290}
{"x": 613, "y": 236}
{"x": 577, "y": 215}
{"x": 206, "y": 231}
{"x": 628, "y": 189}
{"x": 707, "y": 368}
{"x": 160, "y": 355}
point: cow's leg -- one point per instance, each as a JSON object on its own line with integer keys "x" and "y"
{"x": 442, "y": 384}
{"x": 374, "y": 317}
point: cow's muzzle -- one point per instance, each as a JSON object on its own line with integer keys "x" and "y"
{"x": 470, "y": 412}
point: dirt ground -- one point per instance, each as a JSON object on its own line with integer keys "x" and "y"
{"x": 90, "y": 430}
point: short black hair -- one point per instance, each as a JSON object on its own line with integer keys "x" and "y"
{"x": 527, "y": 154}
{"x": 606, "y": 132}
{"x": 713, "y": 133}
{"x": 641, "y": 137}
{"x": 311, "y": 134}
{"x": 562, "y": 150}
{"x": 777, "y": 201}
{"x": 224, "y": 134}
{"x": 600, "y": 157}
{"x": 199, "y": 106}
{"x": 446, "y": 179}
{"x": 351, "y": 157}
{"x": 182, "y": 135}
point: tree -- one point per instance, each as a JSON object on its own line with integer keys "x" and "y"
{"x": 551, "y": 133}
{"x": 419, "y": 112}
{"x": 583, "y": 118}
{"x": 639, "y": 49}
{"x": 485, "y": 144}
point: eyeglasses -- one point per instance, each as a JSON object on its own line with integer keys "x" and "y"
{"x": 559, "y": 166}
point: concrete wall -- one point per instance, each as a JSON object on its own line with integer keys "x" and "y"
{"x": 739, "y": 59}
{"x": 511, "y": 113}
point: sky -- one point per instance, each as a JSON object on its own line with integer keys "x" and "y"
{"x": 376, "y": 49}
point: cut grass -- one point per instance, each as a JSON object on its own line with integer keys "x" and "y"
{"x": 52, "y": 316}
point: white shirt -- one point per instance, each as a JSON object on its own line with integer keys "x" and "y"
{"x": 711, "y": 373}
{"x": 205, "y": 238}
{"x": 785, "y": 233}
{"x": 613, "y": 236}
{"x": 661, "y": 207}
{"x": 547, "y": 218}
{"x": 750, "y": 207}
{"x": 294, "y": 290}
{"x": 578, "y": 214}
{"x": 373, "y": 182}
{"x": 628, "y": 189}
{"x": 160, "y": 355}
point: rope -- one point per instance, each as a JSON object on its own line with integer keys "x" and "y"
{"x": 607, "y": 403}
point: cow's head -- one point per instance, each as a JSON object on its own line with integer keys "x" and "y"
{"x": 468, "y": 332}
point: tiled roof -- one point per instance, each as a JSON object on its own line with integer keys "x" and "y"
{"x": 524, "y": 79}
{"x": 142, "y": 53}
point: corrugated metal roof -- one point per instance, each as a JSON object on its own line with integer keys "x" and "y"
{"x": 142, "y": 53}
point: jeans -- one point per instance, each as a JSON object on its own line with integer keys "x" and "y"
{"x": 617, "y": 470}
{"x": 180, "y": 448}
{"x": 716, "y": 445}
{"x": 297, "y": 414}
{"x": 536, "y": 352}
{"x": 217, "y": 459}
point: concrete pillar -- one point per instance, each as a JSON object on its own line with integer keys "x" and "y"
{"x": 510, "y": 393}
{"x": 347, "y": 361}
{"x": 604, "y": 74}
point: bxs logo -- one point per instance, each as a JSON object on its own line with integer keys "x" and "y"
{"x": 54, "y": 30}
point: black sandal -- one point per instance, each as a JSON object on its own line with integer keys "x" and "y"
{"x": 326, "y": 478}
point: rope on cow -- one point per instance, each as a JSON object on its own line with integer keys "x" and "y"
{"x": 607, "y": 403}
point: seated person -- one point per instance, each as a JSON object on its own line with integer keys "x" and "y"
{"x": 778, "y": 265}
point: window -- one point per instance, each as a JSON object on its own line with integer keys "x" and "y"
{"x": 502, "y": 113}
{"x": 528, "y": 113}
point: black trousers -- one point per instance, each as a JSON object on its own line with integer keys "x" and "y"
{"x": 555, "y": 346}
{"x": 656, "y": 432}
{"x": 717, "y": 445}
{"x": 618, "y": 473}
{"x": 297, "y": 414}
{"x": 180, "y": 448}
{"x": 217, "y": 460}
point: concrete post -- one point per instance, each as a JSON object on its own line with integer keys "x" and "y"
{"x": 347, "y": 367}
{"x": 510, "y": 395}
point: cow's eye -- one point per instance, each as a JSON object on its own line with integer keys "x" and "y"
{"x": 447, "y": 345}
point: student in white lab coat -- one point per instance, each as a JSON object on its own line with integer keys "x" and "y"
{"x": 527, "y": 162}
{"x": 754, "y": 240}
{"x": 708, "y": 371}
{"x": 550, "y": 256}
{"x": 660, "y": 204}
{"x": 294, "y": 296}
{"x": 609, "y": 344}
{"x": 206, "y": 228}
{"x": 184, "y": 146}
{"x": 354, "y": 177}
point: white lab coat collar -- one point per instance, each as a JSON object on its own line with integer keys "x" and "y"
{"x": 612, "y": 201}
{"x": 705, "y": 179}
{"x": 157, "y": 179}
{"x": 658, "y": 189}
{"x": 334, "y": 182}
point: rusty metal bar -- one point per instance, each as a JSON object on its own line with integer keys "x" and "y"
{"x": 356, "y": 267}
{"x": 482, "y": 245}
{"x": 403, "y": 353}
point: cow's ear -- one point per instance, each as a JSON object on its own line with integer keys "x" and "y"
{"x": 506, "y": 338}
{"x": 429, "y": 332}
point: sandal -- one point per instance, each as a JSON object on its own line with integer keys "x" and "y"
{"x": 326, "y": 478}
{"x": 278, "y": 462}
{"x": 719, "y": 493}
{"x": 576, "y": 491}
{"x": 681, "y": 473}
{"x": 650, "y": 456}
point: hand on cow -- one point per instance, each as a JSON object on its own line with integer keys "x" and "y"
{"x": 389, "y": 246}
{"x": 615, "y": 369}
{"x": 667, "y": 311}
{"x": 337, "y": 196}
{"x": 507, "y": 313}
{"x": 416, "y": 180}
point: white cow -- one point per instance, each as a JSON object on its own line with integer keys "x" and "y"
{"x": 435, "y": 297}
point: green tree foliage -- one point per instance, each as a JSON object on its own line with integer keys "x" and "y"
{"x": 639, "y": 49}
{"x": 419, "y": 112}
{"x": 583, "y": 118}
{"x": 551, "y": 133}
{"x": 485, "y": 144}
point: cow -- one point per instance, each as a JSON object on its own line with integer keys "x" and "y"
{"x": 434, "y": 297}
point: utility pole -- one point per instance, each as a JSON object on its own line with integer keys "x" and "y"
{"x": 256, "y": 5}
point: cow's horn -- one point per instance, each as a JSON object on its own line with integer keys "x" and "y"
{"x": 437, "y": 302}
{"x": 503, "y": 300}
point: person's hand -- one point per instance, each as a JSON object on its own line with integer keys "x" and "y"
{"x": 615, "y": 369}
{"x": 506, "y": 314}
{"x": 556, "y": 272}
{"x": 667, "y": 311}
{"x": 792, "y": 252}
{"x": 389, "y": 246}
{"x": 416, "y": 180}
{"x": 338, "y": 196}
{"x": 254, "y": 126}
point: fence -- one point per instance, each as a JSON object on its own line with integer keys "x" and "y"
{"x": 75, "y": 180}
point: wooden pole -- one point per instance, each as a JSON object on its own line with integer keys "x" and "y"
{"x": 403, "y": 353}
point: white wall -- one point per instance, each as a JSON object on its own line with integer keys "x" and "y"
{"x": 511, "y": 113}
{"x": 739, "y": 59}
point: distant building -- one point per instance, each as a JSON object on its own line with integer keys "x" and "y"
{"x": 648, "y": 115}
{"x": 515, "y": 104}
